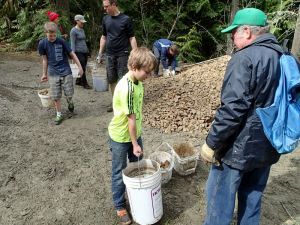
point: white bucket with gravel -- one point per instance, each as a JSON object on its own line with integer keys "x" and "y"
{"x": 75, "y": 70}
{"x": 165, "y": 157}
{"x": 143, "y": 185}
{"x": 186, "y": 156}
{"x": 45, "y": 98}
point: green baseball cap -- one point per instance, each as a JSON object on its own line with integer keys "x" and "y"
{"x": 247, "y": 16}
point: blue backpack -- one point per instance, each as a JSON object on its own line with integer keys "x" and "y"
{"x": 281, "y": 120}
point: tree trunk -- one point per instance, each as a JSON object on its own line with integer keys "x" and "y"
{"x": 64, "y": 6}
{"x": 234, "y": 9}
{"x": 296, "y": 40}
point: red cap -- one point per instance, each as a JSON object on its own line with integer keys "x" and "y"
{"x": 52, "y": 15}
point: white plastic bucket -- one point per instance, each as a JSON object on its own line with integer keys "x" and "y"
{"x": 186, "y": 165}
{"x": 100, "y": 83}
{"x": 164, "y": 154}
{"x": 75, "y": 70}
{"x": 144, "y": 192}
{"x": 45, "y": 99}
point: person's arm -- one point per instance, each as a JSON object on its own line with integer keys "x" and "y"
{"x": 137, "y": 150}
{"x": 174, "y": 63}
{"x": 133, "y": 42}
{"x": 236, "y": 101}
{"x": 76, "y": 60}
{"x": 44, "y": 77}
{"x": 101, "y": 48}
{"x": 72, "y": 39}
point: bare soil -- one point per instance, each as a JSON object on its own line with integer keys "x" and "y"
{"x": 61, "y": 174}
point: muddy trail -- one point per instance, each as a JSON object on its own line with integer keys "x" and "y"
{"x": 60, "y": 175}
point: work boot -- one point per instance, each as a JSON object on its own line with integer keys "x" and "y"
{"x": 78, "y": 82}
{"x": 58, "y": 119}
{"x": 124, "y": 217}
{"x": 109, "y": 108}
{"x": 86, "y": 86}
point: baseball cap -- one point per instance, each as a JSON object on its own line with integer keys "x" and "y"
{"x": 52, "y": 15}
{"x": 247, "y": 16}
{"x": 80, "y": 18}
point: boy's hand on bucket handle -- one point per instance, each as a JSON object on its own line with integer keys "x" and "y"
{"x": 137, "y": 150}
{"x": 44, "y": 78}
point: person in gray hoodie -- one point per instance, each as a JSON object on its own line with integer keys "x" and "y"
{"x": 79, "y": 46}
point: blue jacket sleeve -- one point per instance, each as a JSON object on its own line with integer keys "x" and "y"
{"x": 236, "y": 100}
{"x": 174, "y": 63}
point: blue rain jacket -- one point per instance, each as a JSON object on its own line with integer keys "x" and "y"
{"x": 162, "y": 46}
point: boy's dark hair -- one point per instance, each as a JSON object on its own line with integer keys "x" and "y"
{"x": 142, "y": 58}
{"x": 113, "y": 2}
{"x": 174, "y": 49}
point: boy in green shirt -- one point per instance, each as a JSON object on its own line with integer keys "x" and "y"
{"x": 125, "y": 127}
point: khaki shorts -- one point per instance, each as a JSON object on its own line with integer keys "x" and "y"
{"x": 57, "y": 83}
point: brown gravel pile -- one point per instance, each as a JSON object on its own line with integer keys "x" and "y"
{"x": 186, "y": 102}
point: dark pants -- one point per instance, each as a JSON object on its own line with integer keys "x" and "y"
{"x": 82, "y": 57}
{"x": 120, "y": 153}
{"x": 116, "y": 67}
{"x": 222, "y": 186}
{"x": 157, "y": 56}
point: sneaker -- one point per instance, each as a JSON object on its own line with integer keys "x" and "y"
{"x": 124, "y": 217}
{"x": 58, "y": 120}
{"x": 71, "y": 107}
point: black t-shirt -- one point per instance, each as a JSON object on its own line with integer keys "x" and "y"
{"x": 117, "y": 30}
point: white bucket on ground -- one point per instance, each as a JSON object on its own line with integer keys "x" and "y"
{"x": 99, "y": 80}
{"x": 164, "y": 154}
{"x": 144, "y": 191}
{"x": 186, "y": 165}
{"x": 45, "y": 99}
{"x": 75, "y": 70}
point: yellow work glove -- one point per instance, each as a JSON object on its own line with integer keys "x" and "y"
{"x": 208, "y": 155}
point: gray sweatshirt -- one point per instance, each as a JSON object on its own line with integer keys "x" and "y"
{"x": 78, "y": 43}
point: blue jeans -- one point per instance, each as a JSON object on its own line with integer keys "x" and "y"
{"x": 120, "y": 153}
{"x": 222, "y": 186}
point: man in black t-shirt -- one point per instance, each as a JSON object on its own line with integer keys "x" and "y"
{"x": 117, "y": 37}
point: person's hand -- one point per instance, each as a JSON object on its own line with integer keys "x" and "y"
{"x": 44, "y": 78}
{"x": 137, "y": 150}
{"x": 208, "y": 155}
{"x": 65, "y": 36}
{"x": 99, "y": 58}
{"x": 166, "y": 72}
{"x": 80, "y": 72}
{"x": 173, "y": 73}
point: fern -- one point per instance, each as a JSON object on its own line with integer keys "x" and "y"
{"x": 189, "y": 46}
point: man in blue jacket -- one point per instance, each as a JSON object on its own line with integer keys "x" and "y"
{"x": 236, "y": 145}
{"x": 166, "y": 52}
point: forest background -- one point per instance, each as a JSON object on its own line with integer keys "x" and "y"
{"x": 194, "y": 25}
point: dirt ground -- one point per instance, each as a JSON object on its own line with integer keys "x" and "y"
{"x": 60, "y": 175}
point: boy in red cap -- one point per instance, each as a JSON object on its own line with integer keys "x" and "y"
{"x": 54, "y": 17}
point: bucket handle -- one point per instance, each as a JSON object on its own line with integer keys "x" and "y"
{"x": 171, "y": 151}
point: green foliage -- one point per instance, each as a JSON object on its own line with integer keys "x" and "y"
{"x": 28, "y": 34}
{"x": 189, "y": 46}
{"x": 194, "y": 24}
